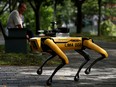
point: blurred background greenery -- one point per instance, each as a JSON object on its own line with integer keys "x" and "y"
{"x": 40, "y": 14}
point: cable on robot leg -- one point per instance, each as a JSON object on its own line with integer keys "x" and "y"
{"x": 87, "y": 58}
{"x": 39, "y": 71}
{"x": 49, "y": 81}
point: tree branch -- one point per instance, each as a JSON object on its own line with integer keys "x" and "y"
{"x": 4, "y": 8}
{"x": 33, "y": 7}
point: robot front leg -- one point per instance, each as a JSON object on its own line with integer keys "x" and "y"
{"x": 87, "y": 58}
{"x": 50, "y": 43}
{"x": 39, "y": 71}
{"x": 49, "y": 81}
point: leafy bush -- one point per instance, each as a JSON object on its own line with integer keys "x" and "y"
{"x": 108, "y": 28}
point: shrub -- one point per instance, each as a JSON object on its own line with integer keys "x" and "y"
{"x": 108, "y": 28}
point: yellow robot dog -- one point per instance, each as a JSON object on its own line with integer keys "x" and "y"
{"x": 56, "y": 45}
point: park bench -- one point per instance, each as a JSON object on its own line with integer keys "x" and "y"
{"x": 16, "y": 41}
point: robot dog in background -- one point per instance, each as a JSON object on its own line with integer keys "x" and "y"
{"x": 56, "y": 45}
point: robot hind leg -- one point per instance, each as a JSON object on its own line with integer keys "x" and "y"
{"x": 88, "y": 43}
{"x": 87, "y": 58}
{"x": 88, "y": 70}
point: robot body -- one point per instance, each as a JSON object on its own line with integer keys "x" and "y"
{"x": 56, "y": 45}
{"x": 64, "y": 43}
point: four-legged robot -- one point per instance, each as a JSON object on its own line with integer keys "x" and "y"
{"x": 56, "y": 45}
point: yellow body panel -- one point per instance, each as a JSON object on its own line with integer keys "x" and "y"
{"x": 64, "y": 43}
{"x": 68, "y": 43}
{"x": 56, "y": 49}
{"x": 36, "y": 44}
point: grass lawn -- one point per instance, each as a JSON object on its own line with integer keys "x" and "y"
{"x": 20, "y": 59}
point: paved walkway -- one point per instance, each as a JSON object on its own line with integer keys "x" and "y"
{"x": 103, "y": 74}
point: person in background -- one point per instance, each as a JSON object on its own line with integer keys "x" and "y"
{"x": 16, "y": 19}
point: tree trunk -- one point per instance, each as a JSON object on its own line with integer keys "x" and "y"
{"x": 99, "y": 20}
{"x": 79, "y": 18}
{"x": 37, "y": 18}
{"x": 36, "y": 8}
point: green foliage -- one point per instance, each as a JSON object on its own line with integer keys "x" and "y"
{"x": 29, "y": 18}
{"x": 109, "y": 9}
{"x": 62, "y": 13}
{"x": 110, "y": 12}
{"x": 65, "y": 12}
{"x": 108, "y": 28}
{"x": 90, "y": 7}
{"x": 109, "y": 1}
{"x": 46, "y": 17}
{"x": 3, "y": 18}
